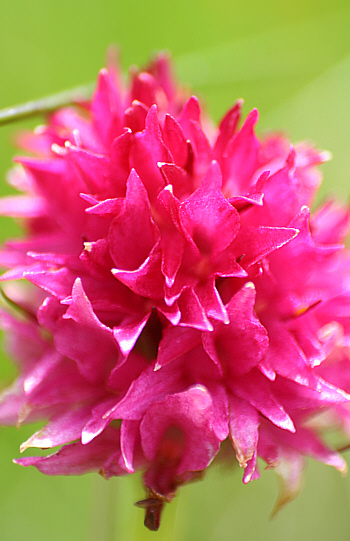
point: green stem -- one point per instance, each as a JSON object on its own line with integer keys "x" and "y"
{"x": 46, "y": 105}
{"x": 104, "y": 517}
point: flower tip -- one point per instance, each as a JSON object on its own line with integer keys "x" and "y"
{"x": 88, "y": 246}
{"x": 337, "y": 461}
{"x": 103, "y": 72}
{"x": 326, "y": 156}
{"x": 214, "y": 165}
{"x": 249, "y": 285}
{"x": 253, "y": 117}
{"x": 87, "y": 437}
{"x": 160, "y": 165}
{"x": 40, "y": 129}
{"x": 344, "y": 470}
{"x": 24, "y": 446}
{"x": 169, "y": 280}
{"x": 305, "y": 210}
{"x": 226, "y": 319}
{"x": 288, "y": 425}
{"x": 128, "y": 466}
{"x": 59, "y": 151}
{"x": 29, "y": 384}
{"x": 113, "y": 54}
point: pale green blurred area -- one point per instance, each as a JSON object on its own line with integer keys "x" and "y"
{"x": 292, "y": 61}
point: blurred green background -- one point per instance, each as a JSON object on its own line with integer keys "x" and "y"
{"x": 292, "y": 61}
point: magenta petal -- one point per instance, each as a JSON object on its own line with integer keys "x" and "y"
{"x": 73, "y": 387}
{"x": 211, "y": 301}
{"x": 106, "y": 108}
{"x": 133, "y": 227}
{"x": 57, "y": 282}
{"x": 125, "y": 373}
{"x": 175, "y": 342}
{"x": 148, "y": 150}
{"x": 190, "y": 412}
{"x": 23, "y": 341}
{"x": 175, "y": 141}
{"x": 210, "y": 220}
{"x": 298, "y": 397}
{"x": 62, "y": 429}
{"x": 151, "y": 383}
{"x": 12, "y": 403}
{"x": 92, "y": 167}
{"x": 303, "y": 251}
{"x": 244, "y": 429}
{"x": 82, "y": 337}
{"x": 253, "y": 244}
{"x": 40, "y": 372}
{"x": 59, "y": 184}
{"x": 255, "y": 390}
{"x": 192, "y": 312}
{"x": 255, "y": 196}
{"x": 331, "y": 223}
{"x": 119, "y": 164}
{"x": 77, "y": 459}
{"x": 286, "y": 358}
{"x": 128, "y": 332}
{"x": 135, "y": 116}
{"x": 148, "y": 279}
{"x": 161, "y": 69}
{"x": 240, "y": 345}
{"x": 202, "y": 150}
{"x": 128, "y": 435}
{"x": 199, "y": 149}
{"x": 172, "y": 239}
{"x": 67, "y": 122}
{"x": 227, "y": 128}
{"x": 109, "y": 206}
{"x": 178, "y": 178}
{"x": 22, "y": 206}
{"x": 144, "y": 89}
{"x": 305, "y": 440}
{"x": 241, "y": 158}
{"x": 220, "y": 410}
{"x": 96, "y": 259}
{"x": 98, "y": 421}
{"x": 251, "y": 472}
{"x": 182, "y": 421}
{"x": 190, "y": 111}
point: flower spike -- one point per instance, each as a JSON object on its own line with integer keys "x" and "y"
{"x": 178, "y": 292}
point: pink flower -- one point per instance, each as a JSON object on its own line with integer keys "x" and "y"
{"x": 178, "y": 294}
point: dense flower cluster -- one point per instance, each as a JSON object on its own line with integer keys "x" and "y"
{"x": 178, "y": 294}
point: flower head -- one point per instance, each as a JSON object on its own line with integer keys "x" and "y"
{"x": 178, "y": 292}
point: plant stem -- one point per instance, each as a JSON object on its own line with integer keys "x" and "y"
{"x": 104, "y": 523}
{"x": 46, "y": 105}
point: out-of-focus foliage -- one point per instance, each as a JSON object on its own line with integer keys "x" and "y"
{"x": 292, "y": 61}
